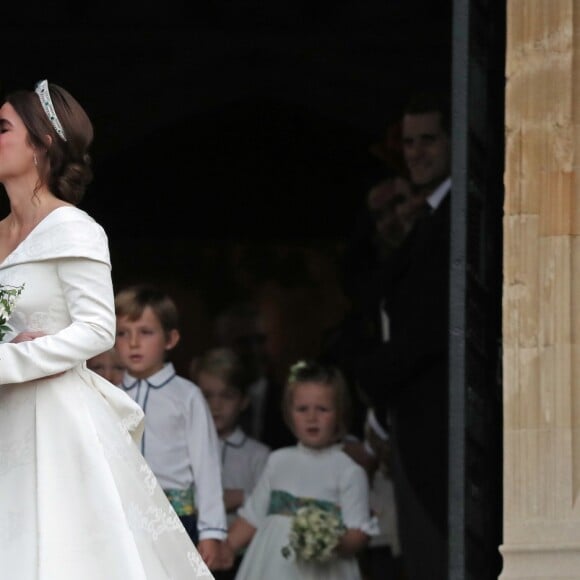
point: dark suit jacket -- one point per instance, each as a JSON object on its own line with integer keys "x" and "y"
{"x": 408, "y": 374}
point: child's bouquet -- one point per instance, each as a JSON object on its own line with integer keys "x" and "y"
{"x": 8, "y": 296}
{"x": 314, "y": 535}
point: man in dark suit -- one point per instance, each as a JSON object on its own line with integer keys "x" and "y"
{"x": 405, "y": 377}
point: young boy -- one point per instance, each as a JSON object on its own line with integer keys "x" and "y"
{"x": 224, "y": 382}
{"x": 180, "y": 442}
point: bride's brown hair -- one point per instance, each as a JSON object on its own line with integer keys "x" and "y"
{"x": 63, "y": 166}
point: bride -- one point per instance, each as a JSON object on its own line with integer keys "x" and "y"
{"x": 77, "y": 500}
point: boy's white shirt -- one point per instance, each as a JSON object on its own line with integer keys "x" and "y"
{"x": 243, "y": 460}
{"x": 180, "y": 443}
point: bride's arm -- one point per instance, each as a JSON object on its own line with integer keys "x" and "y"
{"x": 88, "y": 292}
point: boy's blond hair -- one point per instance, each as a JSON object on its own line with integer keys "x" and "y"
{"x": 132, "y": 301}
{"x": 227, "y": 366}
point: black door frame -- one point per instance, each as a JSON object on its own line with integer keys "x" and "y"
{"x": 475, "y": 424}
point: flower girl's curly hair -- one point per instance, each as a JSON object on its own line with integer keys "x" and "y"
{"x": 330, "y": 376}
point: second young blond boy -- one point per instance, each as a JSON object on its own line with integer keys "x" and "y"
{"x": 224, "y": 380}
{"x": 221, "y": 376}
{"x": 180, "y": 441}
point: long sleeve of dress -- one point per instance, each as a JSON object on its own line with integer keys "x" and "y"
{"x": 354, "y": 501}
{"x": 88, "y": 295}
{"x": 255, "y": 507}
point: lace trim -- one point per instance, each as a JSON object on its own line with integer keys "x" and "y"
{"x": 154, "y": 520}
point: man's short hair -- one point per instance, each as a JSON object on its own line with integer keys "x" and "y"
{"x": 431, "y": 102}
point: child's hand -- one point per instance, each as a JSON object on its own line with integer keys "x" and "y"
{"x": 227, "y": 556}
{"x": 352, "y": 542}
{"x": 209, "y": 550}
{"x": 233, "y": 499}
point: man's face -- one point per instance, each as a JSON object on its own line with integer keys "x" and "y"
{"x": 427, "y": 149}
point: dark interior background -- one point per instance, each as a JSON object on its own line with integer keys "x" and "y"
{"x": 233, "y": 140}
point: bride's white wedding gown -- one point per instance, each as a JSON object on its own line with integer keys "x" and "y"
{"x": 77, "y": 500}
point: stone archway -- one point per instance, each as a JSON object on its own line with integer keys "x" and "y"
{"x": 541, "y": 303}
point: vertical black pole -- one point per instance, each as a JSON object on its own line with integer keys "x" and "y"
{"x": 458, "y": 261}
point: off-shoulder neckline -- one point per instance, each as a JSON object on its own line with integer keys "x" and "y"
{"x": 36, "y": 228}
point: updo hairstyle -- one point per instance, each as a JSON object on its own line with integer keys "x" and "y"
{"x": 63, "y": 166}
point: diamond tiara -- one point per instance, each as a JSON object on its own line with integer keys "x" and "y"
{"x": 43, "y": 93}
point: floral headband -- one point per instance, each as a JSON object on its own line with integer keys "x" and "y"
{"x": 41, "y": 89}
{"x": 296, "y": 369}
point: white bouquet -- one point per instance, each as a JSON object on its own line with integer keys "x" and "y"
{"x": 314, "y": 535}
{"x": 8, "y": 296}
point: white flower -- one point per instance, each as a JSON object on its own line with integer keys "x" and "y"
{"x": 314, "y": 534}
{"x": 8, "y": 297}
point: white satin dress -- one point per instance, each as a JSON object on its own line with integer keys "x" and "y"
{"x": 77, "y": 499}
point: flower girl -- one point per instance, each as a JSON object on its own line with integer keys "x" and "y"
{"x": 309, "y": 513}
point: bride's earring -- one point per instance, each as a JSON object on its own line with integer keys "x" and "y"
{"x": 35, "y": 159}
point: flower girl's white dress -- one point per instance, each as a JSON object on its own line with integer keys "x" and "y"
{"x": 77, "y": 500}
{"x": 327, "y": 475}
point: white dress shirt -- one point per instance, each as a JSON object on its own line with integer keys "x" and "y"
{"x": 180, "y": 443}
{"x": 440, "y": 193}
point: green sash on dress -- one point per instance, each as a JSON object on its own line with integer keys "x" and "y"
{"x": 286, "y": 504}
